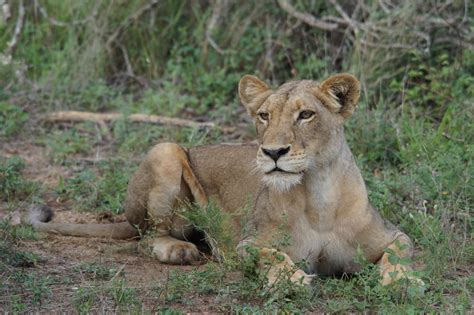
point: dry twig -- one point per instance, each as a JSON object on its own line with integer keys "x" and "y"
{"x": 308, "y": 18}
{"x": 6, "y": 14}
{"x": 345, "y": 16}
{"x": 11, "y": 45}
{"x": 129, "y": 20}
{"x": 219, "y": 9}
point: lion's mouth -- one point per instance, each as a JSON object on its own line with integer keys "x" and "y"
{"x": 279, "y": 170}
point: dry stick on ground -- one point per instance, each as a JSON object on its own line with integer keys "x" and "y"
{"x": 73, "y": 116}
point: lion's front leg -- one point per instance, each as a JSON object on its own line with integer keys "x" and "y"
{"x": 274, "y": 264}
{"x": 279, "y": 265}
{"x": 393, "y": 264}
{"x": 168, "y": 249}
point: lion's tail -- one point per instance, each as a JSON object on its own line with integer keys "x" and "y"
{"x": 40, "y": 215}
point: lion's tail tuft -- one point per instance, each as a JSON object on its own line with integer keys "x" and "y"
{"x": 38, "y": 213}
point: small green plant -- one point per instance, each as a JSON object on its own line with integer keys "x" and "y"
{"x": 181, "y": 283}
{"x": 125, "y": 297}
{"x": 216, "y": 225}
{"x": 84, "y": 299}
{"x": 37, "y": 286}
{"x": 12, "y": 119}
{"x": 63, "y": 144}
{"x": 12, "y": 184}
{"x": 95, "y": 271}
{"x": 101, "y": 190}
{"x": 17, "y": 306}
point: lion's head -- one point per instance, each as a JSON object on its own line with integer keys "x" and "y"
{"x": 299, "y": 125}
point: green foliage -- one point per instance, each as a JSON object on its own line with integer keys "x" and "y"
{"x": 63, "y": 144}
{"x": 96, "y": 271}
{"x": 28, "y": 288}
{"x": 84, "y": 299}
{"x": 216, "y": 225}
{"x": 183, "y": 283}
{"x": 12, "y": 119}
{"x": 12, "y": 184}
{"x": 125, "y": 298}
{"x": 103, "y": 190}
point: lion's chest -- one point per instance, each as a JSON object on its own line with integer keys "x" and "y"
{"x": 326, "y": 251}
{"x": 317, "y": 234}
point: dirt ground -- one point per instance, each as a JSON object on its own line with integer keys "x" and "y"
{"x": 60, "y": 256}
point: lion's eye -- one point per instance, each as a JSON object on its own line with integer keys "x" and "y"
{"x": 306, "y": 114}
{"x": 263, "y": 116}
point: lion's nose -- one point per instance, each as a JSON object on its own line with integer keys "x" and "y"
{"x": 276, "y": 153}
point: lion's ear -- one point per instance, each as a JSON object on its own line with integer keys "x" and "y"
{"x": 252, "y": 92}
{"x": 342, "y": 93}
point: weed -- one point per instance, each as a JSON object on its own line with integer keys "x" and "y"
{"x": 12, "y": 184}
{"x": 217, "y": 226}
{"x": 84, "y": 299}
{"x": 95, "y": 271}
{"x": 16, "y": 305}
{"x": 125, "y": 298}
{"x": 181, "y": 283}
{"x": 66, "y": 143}
{"x": 101, "y": 190}
{"x": 12, "y": 119}
{"x": 36, "y": 287}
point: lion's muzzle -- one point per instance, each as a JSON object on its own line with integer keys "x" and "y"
{"x": 281, "y": 168}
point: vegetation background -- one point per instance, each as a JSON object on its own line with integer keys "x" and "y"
{"x": 412, "y": 134}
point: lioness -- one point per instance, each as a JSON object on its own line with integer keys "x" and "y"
{"x": 301, "y": 177}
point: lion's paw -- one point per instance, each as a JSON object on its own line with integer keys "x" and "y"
{"x": 301, "y": 277}
{"x": 396, "y": 273}
{"x": 173, "y": 251}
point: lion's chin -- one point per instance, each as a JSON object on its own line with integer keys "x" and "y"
{"x": 281, "y": 181}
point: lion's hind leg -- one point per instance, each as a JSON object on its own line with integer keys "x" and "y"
{"x": 173, "y": 182}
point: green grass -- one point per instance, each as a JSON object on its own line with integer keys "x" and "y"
{"x": 12, "y": 119}
{"x": 412, "y": 137}
{"x": 13, "y": 186}
{"x": 97, "y": 189}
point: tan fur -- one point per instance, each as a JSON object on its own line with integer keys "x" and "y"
{"x": 317, "y": 197}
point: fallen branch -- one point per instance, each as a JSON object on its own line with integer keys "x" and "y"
{"x": 73, "y": 116}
